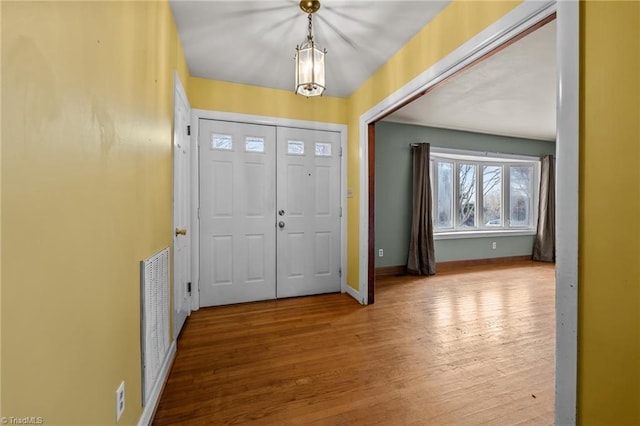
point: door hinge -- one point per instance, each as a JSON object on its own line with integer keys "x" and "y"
{"x": 188, "y": 130}
{"x": 340, "y": 211}
{"x": 198, "y": 212}
{"x": 189, "y": 288}
{"x": 340, "y": 272}
{"x": 340, "y": 152}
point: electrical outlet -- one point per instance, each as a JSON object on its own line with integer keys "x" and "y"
{"x": 380, "y": 252}
{"x": 494, "y": 245}
{"x": 119, "y": 401}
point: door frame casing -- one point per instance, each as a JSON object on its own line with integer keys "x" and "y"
{"x": 518, "y": 20}
{"x": 196, "y": 115}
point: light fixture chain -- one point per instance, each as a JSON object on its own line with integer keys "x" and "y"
{"x": 310, "y": 35}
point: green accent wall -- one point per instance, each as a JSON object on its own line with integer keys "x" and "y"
{"x": 393, "y": 191}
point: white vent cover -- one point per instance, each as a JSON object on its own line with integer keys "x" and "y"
{"x": 154, "y": 316}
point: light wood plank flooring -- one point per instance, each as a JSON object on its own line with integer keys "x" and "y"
{"x": 470, "y": 347}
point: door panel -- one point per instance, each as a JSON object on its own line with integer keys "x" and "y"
{"x": 237, "y": 211}
{"x": 308, "y": 193}
{"x": 181, "y": 212}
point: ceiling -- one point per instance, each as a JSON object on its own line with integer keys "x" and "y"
{"x": 513, "y": 93}
{"x": 253, "y": 42}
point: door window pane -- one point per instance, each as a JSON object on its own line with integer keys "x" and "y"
{"x": 492, "y": 195}
{"x": 223, "y": 142}
{"x": 254, "y": 144}
{"x": 519, "y": 195}
{"x": 445, "y": 195}
{"x": 467, "y": 195}
{"x": 323, "y": 149}
{"x": 295, "y": 147}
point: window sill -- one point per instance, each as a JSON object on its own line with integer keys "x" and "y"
{"x": 453, "y": 235}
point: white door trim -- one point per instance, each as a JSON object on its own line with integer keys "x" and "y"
{"x": 567, "y": 184}
{"x": 522, "y": 17}
{"x": 196, "y": 115}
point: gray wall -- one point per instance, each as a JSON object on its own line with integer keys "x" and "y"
{"x": 393, "y": 191}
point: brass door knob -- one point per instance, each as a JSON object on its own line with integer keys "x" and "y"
{"x": 181, "y": 231}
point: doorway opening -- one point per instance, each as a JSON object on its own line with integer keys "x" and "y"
{"x": 269, "y": 212}
{"x": 520, "y": 19}
{"x": 338, "y": 131}
{"x": 411, "y": 123}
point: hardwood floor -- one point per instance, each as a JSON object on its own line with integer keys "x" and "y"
{"x": 469, "y": 347}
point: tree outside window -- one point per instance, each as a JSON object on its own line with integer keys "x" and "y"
{"x": 467, "y": 195}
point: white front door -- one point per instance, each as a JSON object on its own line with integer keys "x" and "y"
{"x": 237, "y": 211}
{"x": 181, "y": 211}
{"x": 249, "y": 249}
{"x": 308, "y": 193}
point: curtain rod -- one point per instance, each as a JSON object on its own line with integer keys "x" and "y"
{"x": 456, "y": 151}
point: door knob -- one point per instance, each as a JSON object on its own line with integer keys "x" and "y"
{"x": 281, "y": 224}
{"x": 181, "y": 231}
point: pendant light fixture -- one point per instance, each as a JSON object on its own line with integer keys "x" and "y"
{"x": 310, "y": 76}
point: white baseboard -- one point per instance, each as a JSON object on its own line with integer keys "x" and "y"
{"x": 154, "y": 398}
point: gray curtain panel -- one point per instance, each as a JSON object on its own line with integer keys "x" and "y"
{"x": 544, "y": 247}
{"x": 422, "y": 260}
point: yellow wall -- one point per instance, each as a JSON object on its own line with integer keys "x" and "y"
{"x": 87, "y": 92}
{"x": 609, "y": 274}
{"x": 240, "y": 98}
{"x": 456, "y": 24}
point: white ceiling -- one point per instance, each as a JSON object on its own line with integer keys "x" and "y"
{"x": 253, "y": 42}
{"x": 513, "y": 93}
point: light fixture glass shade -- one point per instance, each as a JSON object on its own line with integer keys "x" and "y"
{"x": 309, "y": 70}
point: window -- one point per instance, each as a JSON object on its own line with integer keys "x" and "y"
{"x": 221, "y": 142}
{"x": 466, "y": 200}
{"x": 323, "y": 149}
{"x": 483, "y": 193}
{"x": 520, "y": 196}
{"x": 445, "y": 195}
{"x": 295, "y": 147}
{"x": 492, "y": 195}
{"x": 254, "y": 144}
